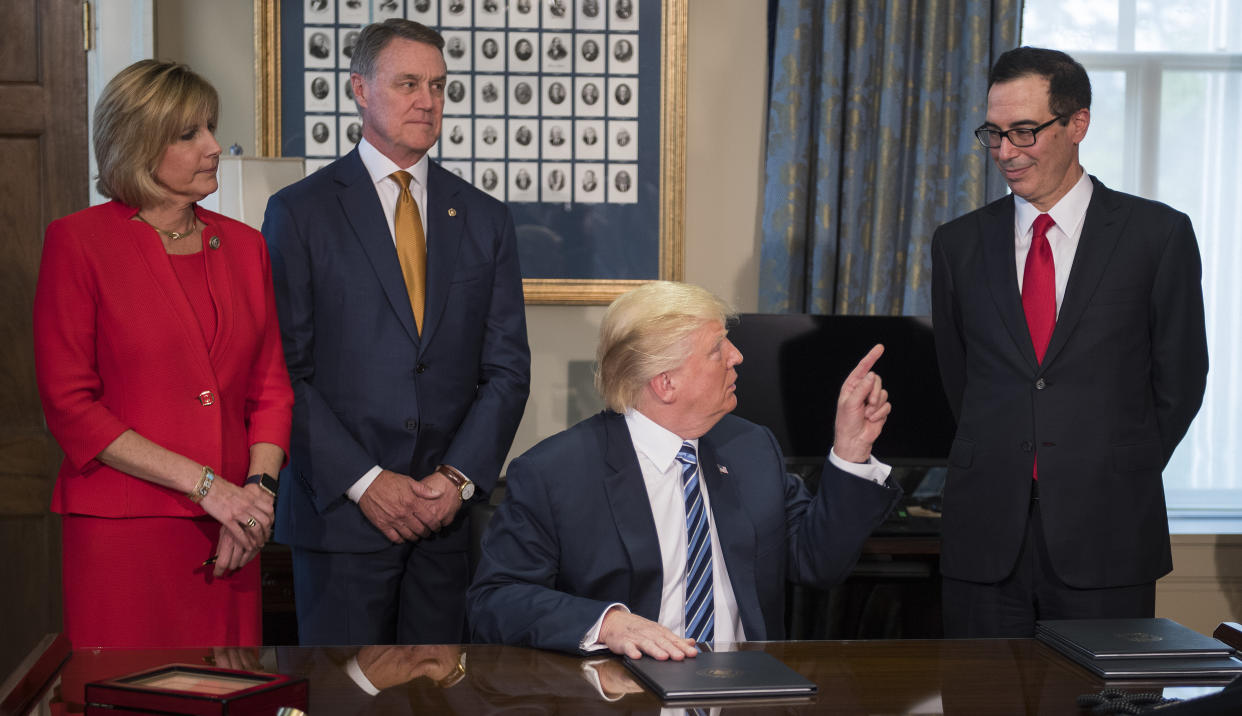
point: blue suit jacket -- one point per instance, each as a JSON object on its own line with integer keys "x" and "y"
{"x": 575, "y": 533}
{"x": 368, "y": 389}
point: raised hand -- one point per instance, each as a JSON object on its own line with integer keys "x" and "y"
{"x": 862, "y": 409}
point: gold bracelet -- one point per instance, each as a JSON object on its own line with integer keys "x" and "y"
{"x": 204, "y": 485}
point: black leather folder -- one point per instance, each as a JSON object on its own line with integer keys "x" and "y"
{"x": 1139, "y": 648}
{"x": 720, "y": 675}
{"x": 1129, "y": 638}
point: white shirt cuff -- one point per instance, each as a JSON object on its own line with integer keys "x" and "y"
{"x": 355, "y": 493}
{"x": 355, "y": 673}
{"x": 590, "y": 672}
{"x": 590, "y": 642}
{"x": 872, "y": 469}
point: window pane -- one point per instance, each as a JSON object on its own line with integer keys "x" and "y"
{"x": 1188, "y": 26}
{"x": 1194, "y": 163}
{"x": 1200, "y": 170}
{"x": 1102, "y": 153}
{"x": 1070, "y": 24}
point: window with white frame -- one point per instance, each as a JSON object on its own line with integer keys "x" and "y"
{"x": 1166, "y": 124}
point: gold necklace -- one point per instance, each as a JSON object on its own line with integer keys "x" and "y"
{"x": 173, "y": 235}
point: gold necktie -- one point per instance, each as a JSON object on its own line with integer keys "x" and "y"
{"x": 411, "y": 246}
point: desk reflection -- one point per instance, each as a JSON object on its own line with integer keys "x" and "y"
{"x": 854, "y": 677}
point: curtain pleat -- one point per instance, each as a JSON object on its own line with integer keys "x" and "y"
{"x": 869, "y": 147}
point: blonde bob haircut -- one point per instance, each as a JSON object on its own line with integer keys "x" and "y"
{"x": 144, "y": 109}
{"x": 646, "y": 332}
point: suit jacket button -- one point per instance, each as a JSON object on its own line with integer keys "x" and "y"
{"x": 1026, "y": 446}
{"x": 411, "y": 425}
{"x": 1040, "y": 384}
{"x": 207, "y": 398}
{"x": 421, "y": 367}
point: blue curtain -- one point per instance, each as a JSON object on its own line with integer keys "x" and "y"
{"x": 869, "y": 147}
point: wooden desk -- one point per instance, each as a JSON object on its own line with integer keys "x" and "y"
{"x": 854, "y": 677}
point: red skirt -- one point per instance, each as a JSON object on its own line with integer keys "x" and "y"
{"x": 138, "y": 582}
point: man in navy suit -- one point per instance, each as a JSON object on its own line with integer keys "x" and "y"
{"x": 596, "y": 547}
{"x": 406, "y": 398}
{"x": 1071, "y": 342}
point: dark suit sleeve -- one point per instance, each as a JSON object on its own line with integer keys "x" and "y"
{"x": 950, "y": 346}
{"x": 1178, "y": 336}
{"x": 483, "y": 439}
{"x": 269, "y": 398}
{"x": 825, "y": 533}
{"x": 514, "y": 598}
{"x": 338, "y": 458}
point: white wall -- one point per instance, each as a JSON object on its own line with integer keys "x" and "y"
{"x": 123, "y": 33}
{"x": 216, "y": 39}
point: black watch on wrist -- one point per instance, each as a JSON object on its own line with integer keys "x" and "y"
{"x": 266, "y": 482}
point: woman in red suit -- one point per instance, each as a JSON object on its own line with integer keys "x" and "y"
{"x": 160, "y": 368}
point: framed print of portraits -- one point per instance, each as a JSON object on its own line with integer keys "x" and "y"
{"x": 570, "y": 111}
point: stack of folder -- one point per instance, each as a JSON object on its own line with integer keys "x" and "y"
{"x": 1139, "y": 648}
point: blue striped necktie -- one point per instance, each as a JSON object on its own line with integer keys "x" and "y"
{"x": 700, "y": 610}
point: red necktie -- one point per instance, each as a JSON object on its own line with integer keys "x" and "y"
{"x": 1039, "y": 288}
{"x": 1039, "y": 295}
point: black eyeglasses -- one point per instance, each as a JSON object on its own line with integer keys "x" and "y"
{"x": 1018, "y": 137}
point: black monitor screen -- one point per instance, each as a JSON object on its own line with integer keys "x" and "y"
{"x": 794, "y": 365}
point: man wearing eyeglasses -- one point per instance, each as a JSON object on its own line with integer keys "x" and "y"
{"x": 1070, "y": 335}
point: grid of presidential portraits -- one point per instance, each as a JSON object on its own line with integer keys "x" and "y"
{"x": 541, "y": 103}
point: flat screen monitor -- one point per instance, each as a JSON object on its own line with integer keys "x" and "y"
{"x": 793, "y": 367}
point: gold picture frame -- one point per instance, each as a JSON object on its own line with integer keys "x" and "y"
{"x": 672, "y": 172}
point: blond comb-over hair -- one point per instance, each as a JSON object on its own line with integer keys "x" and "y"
{"x": 645, "y": 332}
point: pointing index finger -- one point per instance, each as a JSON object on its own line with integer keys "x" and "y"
{"x": 867, "y": 362}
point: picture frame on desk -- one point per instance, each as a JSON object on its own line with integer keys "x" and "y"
{"x": 572, "y": 112}
{"x": 199, "y": 690}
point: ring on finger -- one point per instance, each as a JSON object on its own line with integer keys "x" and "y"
{"x": 251, "y": 523}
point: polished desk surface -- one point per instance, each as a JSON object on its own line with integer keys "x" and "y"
{"x": 1002, "y": 676}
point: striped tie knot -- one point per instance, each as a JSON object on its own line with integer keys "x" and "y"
{"x": 686, "y": 456}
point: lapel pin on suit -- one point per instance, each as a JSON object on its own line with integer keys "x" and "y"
{"x": 452, "y": 212}
{"x": 723, "y": 470}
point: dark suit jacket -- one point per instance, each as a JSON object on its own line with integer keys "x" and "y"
{"x": 575, "y": 533}
{"x": 368, "y": 388}
{"x": 1123, "y": 377}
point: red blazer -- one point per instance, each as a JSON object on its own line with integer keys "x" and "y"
{"x": 118, "y": 346}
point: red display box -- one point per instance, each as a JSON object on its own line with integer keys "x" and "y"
{"x": 196, "y": 690}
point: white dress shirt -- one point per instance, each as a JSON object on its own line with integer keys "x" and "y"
{"x": 380, "y": 167}
{"x": 657, "y": 450}
{"x": 1069, "y": 214}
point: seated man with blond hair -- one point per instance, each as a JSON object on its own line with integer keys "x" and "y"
{"x": 664, "y": 521}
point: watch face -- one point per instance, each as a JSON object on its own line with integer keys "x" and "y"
{"x": 270, "y": 484}
{"x": 467, "y": 491}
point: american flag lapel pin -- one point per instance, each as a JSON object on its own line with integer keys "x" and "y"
{"x": 723, "y": 470}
